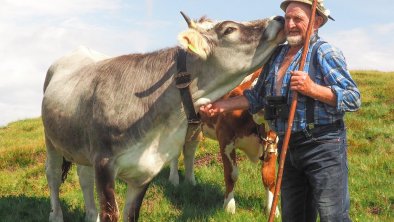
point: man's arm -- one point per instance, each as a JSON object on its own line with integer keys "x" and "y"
{"x": 225, "y": 105}
{"x": 341, "y": 91}
{"x": 337, "y": 76}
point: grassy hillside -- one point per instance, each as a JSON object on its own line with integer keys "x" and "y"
{"x": 24, "y": 195}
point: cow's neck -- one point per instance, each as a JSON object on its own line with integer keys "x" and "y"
{"x": 209, "y": 82}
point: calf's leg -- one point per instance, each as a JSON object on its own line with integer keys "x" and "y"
{"x": 268, "y": 176}
{"x": 230, "y": 176}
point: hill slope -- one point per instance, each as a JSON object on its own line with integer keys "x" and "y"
{"x": 24, "y": 195}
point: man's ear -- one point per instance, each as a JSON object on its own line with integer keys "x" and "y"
{"x": 194, "y": 42}
{"x": 318, "y": 21}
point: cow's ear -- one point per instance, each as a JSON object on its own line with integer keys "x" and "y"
{"x": 194, "y": 42}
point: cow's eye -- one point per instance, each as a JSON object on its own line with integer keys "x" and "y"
{"x": 229, "y": 30}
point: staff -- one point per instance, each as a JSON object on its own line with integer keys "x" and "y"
{"x": 291, "y": 116}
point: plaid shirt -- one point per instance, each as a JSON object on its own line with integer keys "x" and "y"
{"x": 331, "y": 72}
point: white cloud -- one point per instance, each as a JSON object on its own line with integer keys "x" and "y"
{"x": 19, "y": 8}
{"x": 30, "y": 44}
{"x": 16, "y": 112}
{"x": 370, "y": 48}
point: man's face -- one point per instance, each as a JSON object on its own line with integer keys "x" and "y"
{"x": 296, "y": 22}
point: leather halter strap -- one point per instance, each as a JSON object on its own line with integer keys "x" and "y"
{"x": 182, "y": 82}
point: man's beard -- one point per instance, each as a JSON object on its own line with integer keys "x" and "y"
{"x": 294, "y": 40}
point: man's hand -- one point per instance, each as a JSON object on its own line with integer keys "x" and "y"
{"x": 210, "y": 110}
{"x": 301, "y": 82}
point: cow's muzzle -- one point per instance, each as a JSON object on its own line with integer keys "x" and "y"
{"x": 280, "y": 19}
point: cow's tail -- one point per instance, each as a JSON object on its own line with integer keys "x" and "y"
{"x": 66, "y": 166}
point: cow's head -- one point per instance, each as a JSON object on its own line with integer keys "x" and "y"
{"x": 230, "y": 50}
{"x": 241, "y": 44}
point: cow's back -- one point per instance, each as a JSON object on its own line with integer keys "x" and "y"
{"x": 66, "y": 90}
{"x": 71, "y": 62}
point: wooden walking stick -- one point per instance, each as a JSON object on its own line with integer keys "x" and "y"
{"x": 291, "y": 116}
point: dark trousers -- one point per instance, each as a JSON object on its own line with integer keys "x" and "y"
{"x": 315, "y": 177}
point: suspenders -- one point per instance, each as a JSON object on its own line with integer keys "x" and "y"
{"x": 310, "y": 103}
{"x": 313, "y": 68}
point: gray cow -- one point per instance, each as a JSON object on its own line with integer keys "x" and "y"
{"x": 123, "y": 117}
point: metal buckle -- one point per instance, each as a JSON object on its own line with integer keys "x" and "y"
{"x": 182, "y": 80}
{"x": 310, "y": 125}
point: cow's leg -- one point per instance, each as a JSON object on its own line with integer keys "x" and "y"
{"x": 105, "y": 184}
{"x": 86, "y": 180}
{"x": 230, "y": 176}
{"x": 134, "y": 198}
{"x": 268, "y": 174}
{"x": 189, "y": 151}
{"x": 174, "y": 176}
{"x": 53, "y": 169}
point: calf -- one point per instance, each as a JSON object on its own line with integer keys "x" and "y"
{"x": 232, "y": 130}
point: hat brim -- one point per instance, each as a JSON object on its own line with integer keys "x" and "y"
{"x": 286, "y": 3}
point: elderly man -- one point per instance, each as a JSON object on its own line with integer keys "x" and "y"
{"x": 315, "y": 178}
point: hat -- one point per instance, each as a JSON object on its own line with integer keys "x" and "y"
{"x": 321, "y": 10}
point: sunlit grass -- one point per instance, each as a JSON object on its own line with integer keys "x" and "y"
{"x": 24, "y": 195}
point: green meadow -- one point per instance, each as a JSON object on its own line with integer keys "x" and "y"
{"x": 24, "y": 195}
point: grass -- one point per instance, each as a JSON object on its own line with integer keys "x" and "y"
{"x": 24, "y": 195}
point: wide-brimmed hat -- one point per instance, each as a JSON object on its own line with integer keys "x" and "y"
{"x": 321, "y": 10}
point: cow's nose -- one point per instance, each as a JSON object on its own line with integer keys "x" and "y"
{"x": 280, "y": 19}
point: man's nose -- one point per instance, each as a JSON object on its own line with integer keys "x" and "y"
{"x": 290, "y": 23}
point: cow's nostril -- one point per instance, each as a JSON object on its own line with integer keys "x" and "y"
{"x": 280, "y": 19}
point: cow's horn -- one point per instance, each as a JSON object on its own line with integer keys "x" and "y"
{"x": 190, "y": 22}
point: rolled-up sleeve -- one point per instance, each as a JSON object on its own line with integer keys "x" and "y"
{"x": 255, "y": 96}
{"x": 338, "y": 78}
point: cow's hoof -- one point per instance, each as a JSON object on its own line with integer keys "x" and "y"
{"x": 229, "y": 205}
{"x": 92, "y": 216}
{"x": 56, "y": 217}
{"x": 191, "y": 180}
{"x": 174, "y": 179}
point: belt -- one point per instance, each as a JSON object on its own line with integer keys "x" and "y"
{"x": 316, "y": 131}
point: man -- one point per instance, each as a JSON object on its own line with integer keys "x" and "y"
{"x": 315, "y": 178}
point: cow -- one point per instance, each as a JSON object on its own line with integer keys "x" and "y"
{"x": 122, "y": 117}
{"x": 237, "y": 129}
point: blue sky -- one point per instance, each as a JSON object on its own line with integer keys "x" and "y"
{"x": 35, "y": 33}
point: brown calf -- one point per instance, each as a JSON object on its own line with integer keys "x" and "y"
{"x": 232, "y": 130}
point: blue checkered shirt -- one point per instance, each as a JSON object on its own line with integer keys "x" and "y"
{"x": 331, "y": 72}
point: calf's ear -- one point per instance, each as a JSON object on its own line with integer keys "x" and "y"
{"x": 194, "y": 42}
